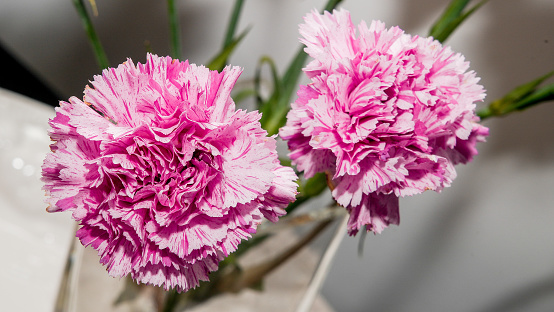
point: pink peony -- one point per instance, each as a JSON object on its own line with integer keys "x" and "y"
{"x": 385, "y": 115}
{"x": 163, "y": 174}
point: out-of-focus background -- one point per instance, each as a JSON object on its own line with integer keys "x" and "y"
{"x": 483, "y": 245}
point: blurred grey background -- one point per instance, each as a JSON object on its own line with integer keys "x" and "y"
{"x": 483, "y": 245}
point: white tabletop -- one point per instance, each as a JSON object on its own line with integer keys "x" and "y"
{"x": 34, "y": 243}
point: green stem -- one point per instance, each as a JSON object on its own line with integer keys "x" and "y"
{"x": 520, "y": 98}
{"x": 175, "y": 43}
{"x": 485, "y": 113}
{"x": 170, "y": 301}
{"x": 331, "y": 5}
{"x": 277, "y": 117}
{"x": 231, "y": 28}
{"x": 237, "y": 279}
{"x": 452, "y": 18}
{"x": 99, "y": 53}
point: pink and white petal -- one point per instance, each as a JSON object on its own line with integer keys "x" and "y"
{"x": 246, "y": 171}
{"x": 115, "y": 92}
{"x": 223, "y": 104}
{"x": 184, "y": 240}
{"x": 280, "y": 194}
{"x": 376, "y": 212}
{"x": 375, "y": 174}
{"x": 465, "y": 150}
{"x": 427, "y": 172}
{"x": 82, "y": 119}
{"x": 329, "y": 37}
{"x": 161, "y": 268}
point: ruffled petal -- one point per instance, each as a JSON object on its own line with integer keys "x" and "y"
{"x": 164, "y": 176}
{"x": 385, "y": 114}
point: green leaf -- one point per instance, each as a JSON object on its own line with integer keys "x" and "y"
{"x": 229, "y": 41}
{"x": 258, "y": 286}
{"x": 453, "y": 11}
{"x": 265, "y": 107}
{"x": 543, "y": 94}
{"x": 233, "y": 21}
{"x": 452, "y": 17}
{"x": 285, "y": 162}
{"x": 97, "y": 48}
{"x": 174, "y": 34}
{"x": 220, "y": 60}
{"x": 315, "y": 185}
{"x": 289, "y": 84}
{"x": 280, "y": 105}
{"x": 521, "y": 97}
{"x": 331, "y": 5}
{"x": 241, "y": 95}
{"x": 309, "y": 189}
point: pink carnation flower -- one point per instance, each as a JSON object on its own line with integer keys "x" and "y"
{"x": 385, "y": 115}
{"x": 163, "y": 174}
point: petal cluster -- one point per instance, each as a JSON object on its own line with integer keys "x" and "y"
{"x": 385, "y": 115}
{"x": 163, "y": 174}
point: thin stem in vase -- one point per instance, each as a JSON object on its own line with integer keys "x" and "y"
{"x": 97, "y": 48}
{"x": 174, "y": 33}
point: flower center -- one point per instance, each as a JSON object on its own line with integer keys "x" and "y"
{"x": 164, "y": 178}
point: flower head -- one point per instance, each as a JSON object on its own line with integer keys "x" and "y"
{"x": 385, "y": 115}
{"x": 163, "y": 174}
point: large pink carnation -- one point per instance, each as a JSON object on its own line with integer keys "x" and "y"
{"x": 385, "y": 115}
{"x": 163, "y": 174}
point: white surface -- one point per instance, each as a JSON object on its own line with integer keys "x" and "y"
{"x": 34, "y": 243}
{"x": 483, "y": 245}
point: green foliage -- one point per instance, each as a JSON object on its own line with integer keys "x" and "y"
{"x": 230, "y": 42}
{"x": 174, "y": 33}
{"x": 275, "y": 108}
{"x": 97, "y": 48}
{"x": 309, "y": 189}
{"x": 521, "y": 97}
{"x": 315, "y": 185}
{"x": 451, "y": 18}
{"x": 233, "y": 22}
{"x": 220, "y": 60}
